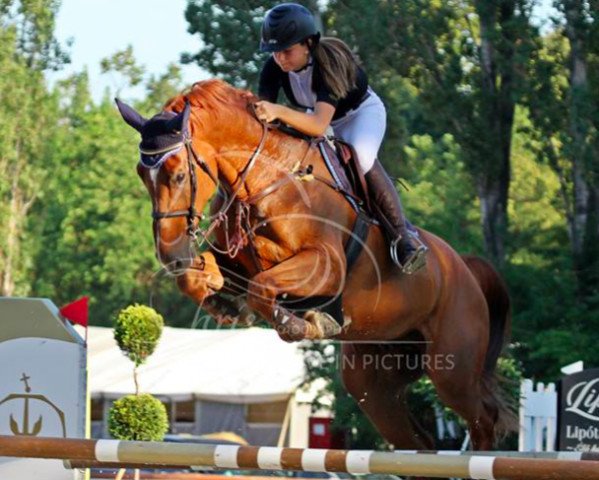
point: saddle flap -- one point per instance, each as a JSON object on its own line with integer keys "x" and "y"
{"x": 348, "y": 159}
{"x": 344, "y": 151}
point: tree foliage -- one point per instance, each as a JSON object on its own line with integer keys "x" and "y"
{"x": 230, "y": 36}
{"x": 563, "y": 81}
{"x": 140, "y": 418}
{"x": 28, "y": 120}
{"x": 137, "y": 330}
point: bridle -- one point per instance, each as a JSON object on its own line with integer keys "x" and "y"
{"x": 242, "y": 220}
{"x": 191, "y": 214}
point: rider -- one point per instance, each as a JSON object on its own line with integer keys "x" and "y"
{"x": 322, "y": 77}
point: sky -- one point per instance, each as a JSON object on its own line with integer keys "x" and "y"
{"x": 156, "y": 29}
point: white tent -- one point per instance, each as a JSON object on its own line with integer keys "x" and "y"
{"x": 244, "y": 381}
{"x": 250, "y": 365}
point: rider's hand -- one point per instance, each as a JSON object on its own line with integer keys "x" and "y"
{"x": 267, "y": 111}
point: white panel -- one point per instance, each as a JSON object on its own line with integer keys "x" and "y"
{"x": 47, "y": 375}
{"x": 35, "y": 469}
{"x": 569, "y": 455}
{"x": 53, "y": 371}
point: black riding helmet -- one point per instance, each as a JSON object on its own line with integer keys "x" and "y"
{"x": 285, "y": 25}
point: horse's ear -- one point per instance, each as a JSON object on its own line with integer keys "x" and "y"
{"x": 180, "y": 123}
{"x": 130, "y": 116}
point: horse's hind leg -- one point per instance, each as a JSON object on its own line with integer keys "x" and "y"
{"x": 373, "y": 375}
{"x": 455, "y": 360}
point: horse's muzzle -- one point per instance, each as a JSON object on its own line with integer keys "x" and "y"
{"x": 175, "y": 261}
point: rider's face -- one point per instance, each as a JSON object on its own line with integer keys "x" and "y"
{"x": 292, "y": 58}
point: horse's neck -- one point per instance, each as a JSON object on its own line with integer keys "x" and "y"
{"x": 236, "y": 163}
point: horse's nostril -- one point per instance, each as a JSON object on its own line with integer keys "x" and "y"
{"x": 180, "y": 265}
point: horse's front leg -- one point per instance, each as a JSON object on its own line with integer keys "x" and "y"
{"x": 312, "y": 272}
{"x": 203, "y": 282}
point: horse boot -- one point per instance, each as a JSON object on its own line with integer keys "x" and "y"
{"x": 405, "y": 253}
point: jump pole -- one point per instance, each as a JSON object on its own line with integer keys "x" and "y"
{"x": 555, "y": 455}
{"x": 310, "y": 460}
{"x": 587, "y": 456}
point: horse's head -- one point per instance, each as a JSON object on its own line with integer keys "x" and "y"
{"x": 180, "y": 175}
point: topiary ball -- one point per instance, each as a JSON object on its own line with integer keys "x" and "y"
{"x": 137, "y": 331}
{"x": 138, "y": 417}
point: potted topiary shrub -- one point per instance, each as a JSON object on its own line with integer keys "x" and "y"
{"x": 140, "y": 416}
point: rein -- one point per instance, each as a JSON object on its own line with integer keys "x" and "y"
{"x": 242, "y": 214}
{"x": 191, "y": 214}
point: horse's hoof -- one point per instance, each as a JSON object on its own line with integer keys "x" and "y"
{"x": 247, "y": 317}
{"x": 289, "y": 327}
{"x": 324, "y": 325}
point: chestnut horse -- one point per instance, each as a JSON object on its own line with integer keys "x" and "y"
{"x": 284, "y": 233}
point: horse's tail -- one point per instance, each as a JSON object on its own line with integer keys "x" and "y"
{"x": 499, "y": 305}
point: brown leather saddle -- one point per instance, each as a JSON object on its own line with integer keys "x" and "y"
{"x": 342, "y": 161}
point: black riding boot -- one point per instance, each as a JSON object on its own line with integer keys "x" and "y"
{"x": 405, "y": 253}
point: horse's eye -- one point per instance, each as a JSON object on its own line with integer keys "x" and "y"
{"x": 179, "y": 177}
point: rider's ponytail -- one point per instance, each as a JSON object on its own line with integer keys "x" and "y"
{"x": 337, "y": 65}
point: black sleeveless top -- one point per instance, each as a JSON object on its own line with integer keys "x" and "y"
{"x": 272, "y": 78}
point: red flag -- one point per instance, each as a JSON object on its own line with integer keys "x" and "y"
{"x": 76, "y": 312}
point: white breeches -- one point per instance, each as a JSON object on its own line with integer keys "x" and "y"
{"x": 364, "y": 128}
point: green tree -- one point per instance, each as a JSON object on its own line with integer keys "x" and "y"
{"x": 465, "y": 59}
{"x": 137, "y": 330}
{"x": 28, "y": 120}
{"x": 123, "y": 69}
{"x": 33, "y": 22}
{"x": 94, "y": 225}
{"x": 564, "y": 79}
{"x": 160, "y": 88}
{"x": 439, "y": 195}
{"x": 95, "y": 203}
{"x": 140, "y": 418}
{"x": 230, "y": 36}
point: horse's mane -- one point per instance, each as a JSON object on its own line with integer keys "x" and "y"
{"x": 215, "y": 97}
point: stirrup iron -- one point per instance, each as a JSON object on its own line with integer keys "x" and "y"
{"x": 415, "y": 262}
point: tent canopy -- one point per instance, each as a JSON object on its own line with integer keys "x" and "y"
{"x": 250, "y": 365}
